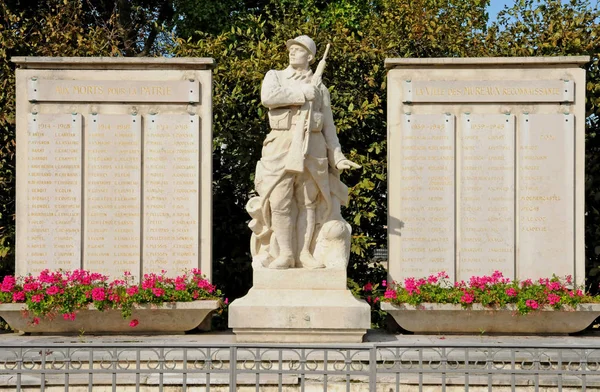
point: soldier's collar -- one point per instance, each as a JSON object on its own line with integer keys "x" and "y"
{"x": 291, "y": 73}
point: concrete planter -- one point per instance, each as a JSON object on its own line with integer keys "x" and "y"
{"x": 430, "y": 318}
{"x": 174, "y": 317}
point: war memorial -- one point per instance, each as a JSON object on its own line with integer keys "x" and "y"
{"x": 485, "y": 173}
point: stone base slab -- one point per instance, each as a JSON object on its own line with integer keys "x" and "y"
{"x": 296, "y": 335}
{"x": 299, "y": 316}
{"x": 176, "y": 317}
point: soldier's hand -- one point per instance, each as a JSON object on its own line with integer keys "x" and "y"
{"x": 309, "y": 91}
{"x": 347, "y": 164}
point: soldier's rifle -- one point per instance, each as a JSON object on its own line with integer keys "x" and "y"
{"x": 316, "y": 81}
{"x": 295, "y": 159}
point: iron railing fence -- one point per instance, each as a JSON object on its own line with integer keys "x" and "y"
{"x": 388, "y": 367}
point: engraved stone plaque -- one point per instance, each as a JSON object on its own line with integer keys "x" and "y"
{"x": 113, "y": 90}
{"x": 53, "y": 217}
{"x": 171, "y": 192}
{"x": 427, "y": 194}
{"x": 520, "y": 160}
{"x": 489, "y": 91}
{"x": 546, "y": 194}
{"x": 112, "y": 238}
{"x": 487, "y": 189}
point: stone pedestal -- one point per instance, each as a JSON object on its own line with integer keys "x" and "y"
{"x": 299, "y": 306}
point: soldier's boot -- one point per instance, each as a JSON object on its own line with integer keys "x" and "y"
{"x": 283, "y": 230}
{"x": 306, "y": 225}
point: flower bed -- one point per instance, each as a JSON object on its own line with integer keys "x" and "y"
{"x": 492, "y": 304}
{"x": 64, "y": 294}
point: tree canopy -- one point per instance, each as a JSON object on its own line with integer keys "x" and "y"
{"x": 246, "y": 37}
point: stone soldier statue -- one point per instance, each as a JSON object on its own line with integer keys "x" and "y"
{"x": 296, "y": 217}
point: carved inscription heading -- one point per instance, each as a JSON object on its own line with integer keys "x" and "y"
{"x": 489, "y": 91}
{"x": 113, "y": 91}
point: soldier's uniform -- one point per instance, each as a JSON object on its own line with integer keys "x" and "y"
{"x": 296, "y": 178}
{"x": 282, "y": 95}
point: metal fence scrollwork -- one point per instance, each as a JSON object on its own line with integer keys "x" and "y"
{"x": 362, "y": 367}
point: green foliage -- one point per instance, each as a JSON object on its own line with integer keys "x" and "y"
{"x": 57, "y": 30}
{"x": 371, "y": 293}
{"x": 65, "y": 292}
{"x": 362, "y": 35}
{"x": 556, "y": 28}
{"x": 493, "y": 291}
{"x": 246, "y": 37}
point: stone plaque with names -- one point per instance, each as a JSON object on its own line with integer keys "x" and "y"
{"x": 114, "y": 164}
{"x": 488, "y": 91}
{"x": 171, "y": 191}
{"x": 487, "y": 186}
{"x": 427, "y": 201}
{"x": 112, "y": 227}
{"x": 546, "y": 192}
{"x": 53, "y": 232}
{"x": 520, "y": 159}
{"x": 113, "y": 90}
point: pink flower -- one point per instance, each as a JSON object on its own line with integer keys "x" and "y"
{"x": 412, "y": 286}
{"x": 467, "y": 298}
{"x": 226, "y": 301}
{"x": 27, "y": 287}
{"x": 36, "y": 320}
{"x": 8, "y": 283}
{"x": 497, "y": 276}
{"x": 511, "y": 292}
{"x": 384, "y": 283}
{"x": 432, "y": 279}
{"x": 390, "y": 294}
{"x": 369, "y": 299}
{"x": 19, "y": 296}
{"x": 569, "y": 279}
{"x": 553, "y": 299}
{"x": 368, "y": 287}
{"x": 526, "y": 282}
{"x": 69, "y": 316}
{"x": 133, "y": 323}
{"x": 179, "y": 286}
{"x": 205, "y": 284}
{"x": 98, "y": 294}
{"x": 131, "y": 291}
{"x": 530, "y": 303}
{"x": 52, "y": 290}
{"x": 157, "y": 291}
{"x": 553, "y": 286}
{"x": 37, "y": 298}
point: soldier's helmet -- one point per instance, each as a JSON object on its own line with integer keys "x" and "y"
{"x": 306, "y": 42}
